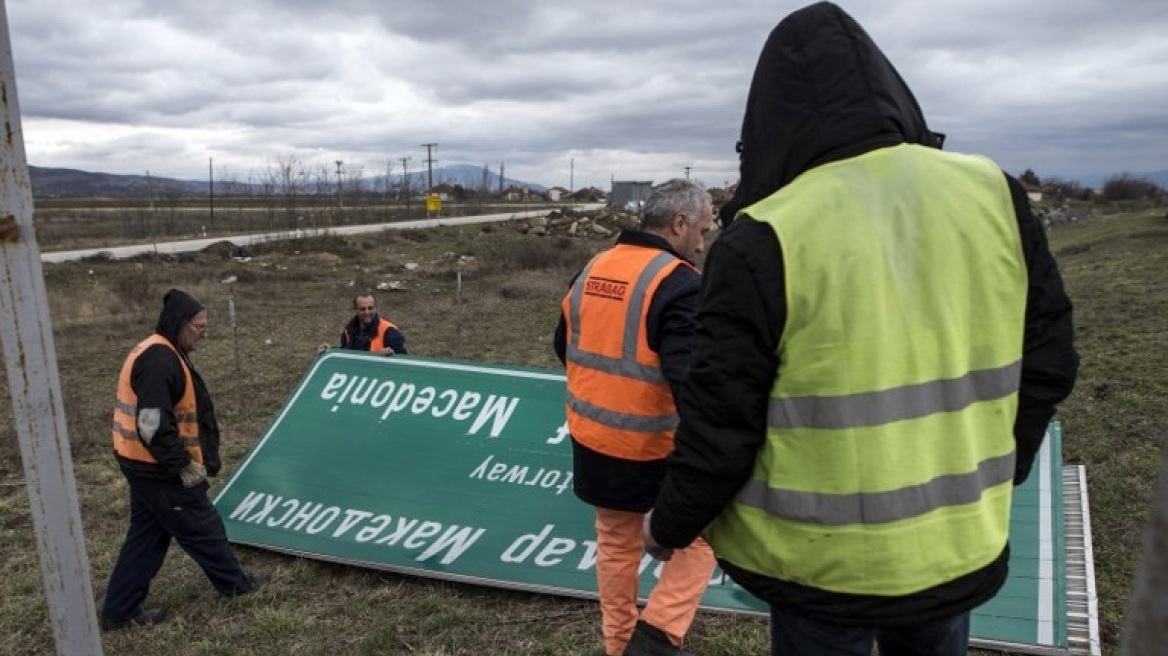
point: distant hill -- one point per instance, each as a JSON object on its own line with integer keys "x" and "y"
{"x": 71, "y": 183}
{"x": 471, "y": 177}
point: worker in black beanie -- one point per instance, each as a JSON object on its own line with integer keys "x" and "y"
{"x": 166, "y": 440}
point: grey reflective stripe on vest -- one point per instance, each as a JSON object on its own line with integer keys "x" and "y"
{"x": 125, "y": 434}
{"x": 616, "y": 366}
{"x": 133, "y": 435}
{"x": 879, "y": 507}
{"x": 126, "y": 408}
{"x": 626, "y": 365}
{"x": 637, "y": 423}
{"x": 887, "y": 406}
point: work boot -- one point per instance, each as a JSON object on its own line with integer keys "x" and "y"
{"x": 145, "y": 617}
{"x": 649, "y": 640}
{"x": 256, "y": 580}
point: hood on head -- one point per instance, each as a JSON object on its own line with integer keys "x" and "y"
{"x": 822, "y": 91}
{"x": 177, "y": 308}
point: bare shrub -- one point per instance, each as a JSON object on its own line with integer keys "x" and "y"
{"x": 1062, "y": 190}
{"x": 251, "y": 275}
{"x": 133, "y": 290}
{"x": 416, "y": 236}
{"x": 530, "y": 254}
{"x": 1128, "y": 187}
{"x": 532, "y": 287}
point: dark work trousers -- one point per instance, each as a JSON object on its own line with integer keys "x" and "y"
{"x": 796, "y": 635}
{"x": 161, "y": 509}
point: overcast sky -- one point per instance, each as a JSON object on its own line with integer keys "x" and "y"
{"x": 632, "y": 90}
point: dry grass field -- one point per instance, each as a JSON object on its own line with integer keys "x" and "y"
{"x": 290, "y": 296}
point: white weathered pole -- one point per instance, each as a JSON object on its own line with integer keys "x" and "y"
{"x": 31, "y": 360}
{"x": 1147, "y": 614}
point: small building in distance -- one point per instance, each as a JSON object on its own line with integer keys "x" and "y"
{"x": 629, "y": 195}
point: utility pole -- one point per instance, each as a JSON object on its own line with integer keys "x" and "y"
{"x": 34, "y": 385}
{"x": 406, "y": 182}
{"x": 340, "y": 201}
{"x": 429, "y": 165}
{"x": 211, "y": 187}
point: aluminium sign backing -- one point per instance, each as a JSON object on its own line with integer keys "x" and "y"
{"x": 463, "y": 471}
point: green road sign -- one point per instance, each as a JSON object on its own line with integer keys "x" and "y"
{"x": 463, "y": 471}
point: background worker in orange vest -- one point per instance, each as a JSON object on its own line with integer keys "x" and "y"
{"x": 166, "y": 439}
{"x": 367, "y": 331}
{"x": 624, "y": 336}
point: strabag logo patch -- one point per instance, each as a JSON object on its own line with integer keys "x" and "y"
{"x": 606, "y": 288}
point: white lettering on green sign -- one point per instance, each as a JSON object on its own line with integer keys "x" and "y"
{"x": 500, "y": 472}
{"x": 459, "y": 405}
{"x": 561, "y": 433}
{"x": 430, "y": 537}
{"x": 545, "y": 550}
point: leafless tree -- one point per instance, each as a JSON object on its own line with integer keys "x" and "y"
{"x": 290, "y": 175}
{"x": 353, "y": 183}
{"x": 405, "y": 183}
{"x": 387, "y": 185}
{"x": 1061, "y": 190}
{"x": 484, "y": 189}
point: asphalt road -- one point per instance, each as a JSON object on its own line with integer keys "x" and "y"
{"x": 189, "y": 245}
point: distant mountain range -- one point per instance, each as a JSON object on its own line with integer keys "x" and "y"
{"x": 71, "y": 183}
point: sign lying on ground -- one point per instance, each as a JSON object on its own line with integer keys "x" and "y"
{"x": 463, "y": 471}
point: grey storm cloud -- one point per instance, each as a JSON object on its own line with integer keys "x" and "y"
{"x": 613, "y": 89}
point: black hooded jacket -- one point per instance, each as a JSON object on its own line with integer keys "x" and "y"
{"x": 822, "y": 92}
{"x": 157, "y": 378}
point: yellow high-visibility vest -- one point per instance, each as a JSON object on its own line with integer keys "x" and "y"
{"x": 889, "y": 457}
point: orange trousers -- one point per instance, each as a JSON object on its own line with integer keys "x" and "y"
{"x": 674, "y": 600}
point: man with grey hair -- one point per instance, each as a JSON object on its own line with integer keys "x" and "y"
{"x": 624, "y": 335}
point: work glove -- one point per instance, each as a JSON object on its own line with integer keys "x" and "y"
{"x": 193, "y": 474}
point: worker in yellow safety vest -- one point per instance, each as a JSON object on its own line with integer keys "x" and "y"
{"x": 884, "y": 337}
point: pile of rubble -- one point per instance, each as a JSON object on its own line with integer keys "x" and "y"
{"x": 598, "y": 224}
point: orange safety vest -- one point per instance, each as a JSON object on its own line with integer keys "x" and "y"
{"x": 378, "y": 341}
{"x": 619, "y": 402}
{"x": 127, "y": 442}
